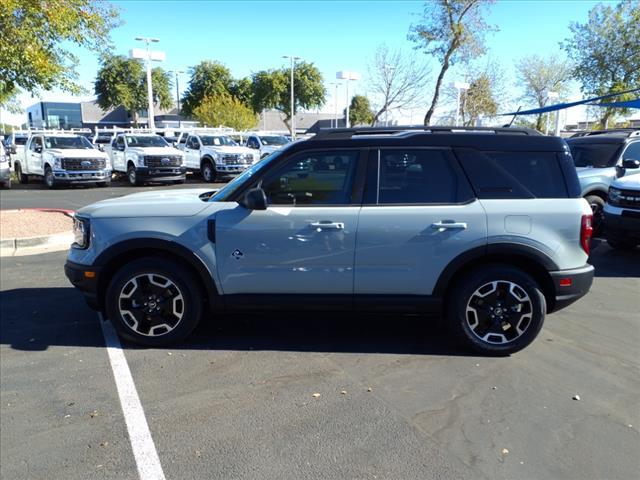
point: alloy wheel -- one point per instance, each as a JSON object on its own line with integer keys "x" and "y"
{"x": 151, "y": 304}
{"x": 499, "y": 312}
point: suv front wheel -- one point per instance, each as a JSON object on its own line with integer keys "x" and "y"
{"x": 154, "y": 301}
{"x": 496, "y": 310}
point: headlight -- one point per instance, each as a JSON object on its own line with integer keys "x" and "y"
{"x": 615, "y": 195}
{"x": 57, "y": 162}
{"x": 80, "y": 232}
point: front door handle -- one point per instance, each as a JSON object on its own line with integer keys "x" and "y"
{"x": 447, "y": 224}
{"x": 327, "y": 225}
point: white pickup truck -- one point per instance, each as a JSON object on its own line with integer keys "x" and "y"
{"x": 62, "y": 158}
{"x": 266, "y": 143}
{"x": 217, "y": 156}
{"x": 147, "y": 157}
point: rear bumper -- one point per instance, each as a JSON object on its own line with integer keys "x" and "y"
{"x": 571, "y": 285}
{"x": 88, "y": 285}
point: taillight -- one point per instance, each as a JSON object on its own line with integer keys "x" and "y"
{"x": 586, "y": 232}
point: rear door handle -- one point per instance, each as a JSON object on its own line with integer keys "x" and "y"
{"x": 327, "y": 225}
{"x": 449, "y": 225}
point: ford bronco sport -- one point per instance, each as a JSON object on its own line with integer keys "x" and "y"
{"x": 484, "y": 227}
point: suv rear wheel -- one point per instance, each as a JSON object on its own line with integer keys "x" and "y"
{"x": 154, "y": 301}
{"x": 496, "y": 310}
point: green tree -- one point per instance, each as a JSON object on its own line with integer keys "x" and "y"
{"x": 450, "y": 30}
{"x": 271, "y": 89}
{"x": 37, "y": 37}
{"x": 538, "y": 75}
{"x": 223, "y": 109}
{"x": 123, "y": 81}
{"x": 606, "y": 51}
{"x": 479, "y": 100}
{"x": 207, "y": 78}
{"x": 360, "y": 112}
{"x": 243, "y": 90}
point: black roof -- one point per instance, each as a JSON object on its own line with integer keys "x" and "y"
{"x": 512, "y": 139}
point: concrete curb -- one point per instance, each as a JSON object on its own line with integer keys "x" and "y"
{"x": 41, "y": 244}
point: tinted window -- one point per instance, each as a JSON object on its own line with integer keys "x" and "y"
{"x": 514, "y": 174}
{"x": 68, "y": 143}
{"x": 313, "y": 178}
{"x": 632, "y": 152}
{"x": 598, "y": 155}
{"x": 415, "y": 177}
{"x": 20, "y": 140}
{"x": 193, "y": 143}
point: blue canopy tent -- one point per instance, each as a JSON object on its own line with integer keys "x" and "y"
{"x": 626, "y": 104}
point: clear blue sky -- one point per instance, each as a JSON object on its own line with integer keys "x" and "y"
{"x": 253, "y": 35}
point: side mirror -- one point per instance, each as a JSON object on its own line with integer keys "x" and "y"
{"x": 38, "y": 149}
{"x": 255, "y": 199}
{"x": 629, "y": 163}
{"x": 101, "y": 148}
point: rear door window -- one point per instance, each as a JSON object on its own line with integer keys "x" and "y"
{"x": 415, "y": 177}
{"x": 514, "y": 174}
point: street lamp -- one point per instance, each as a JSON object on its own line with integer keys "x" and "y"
{"x": 148, "y": 55}
{"x": 348, "y": 76}
{"x": 459, "y": 86}
{"x": 335, "y": 104}
{"x": 176, "y": 73}
{"x": 293, "y": 105}
{"x": 553, "y": 96}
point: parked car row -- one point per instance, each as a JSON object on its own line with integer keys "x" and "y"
{"x": 76, "y": 157}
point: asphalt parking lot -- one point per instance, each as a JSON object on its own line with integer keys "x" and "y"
{"x": 236, "y": 400}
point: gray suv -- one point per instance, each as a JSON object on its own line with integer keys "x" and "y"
{"x": 600, "y": 157}
{"x": 483, "y": 227}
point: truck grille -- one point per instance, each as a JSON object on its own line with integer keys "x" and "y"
{"x": 629, "y": 199}
{"x": 237, "y": 158}
{"x": 162, "y": 161}
{"x": 83, "y": 163}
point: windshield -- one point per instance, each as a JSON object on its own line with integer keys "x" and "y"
{"x": 598, "y": 155}
{"x": 223, "y": 194}
{"x": 146, "y": 141}
{"x": 274, "y": 140}
{"x": 210, "y": 140}
{"x": 66, "y": 143}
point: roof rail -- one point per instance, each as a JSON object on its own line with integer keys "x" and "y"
{"x": 345, "y": 133}
{"x": 629, "y": 132}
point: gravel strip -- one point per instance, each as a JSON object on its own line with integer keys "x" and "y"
{"x": 32, "y": 223}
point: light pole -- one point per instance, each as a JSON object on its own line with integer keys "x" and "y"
{"x": 150, "y": 115}
{"x": 176, "y": 73}
{"x": 459, "y": 86}
{"x": 293, "y": 104}
{"x": 553, "y": 96}
{"x": 347, "y": 76}
{"x": 335, "y": 105}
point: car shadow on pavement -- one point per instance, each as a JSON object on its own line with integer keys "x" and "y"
{"x": 614, "y": 263}
{"x": 34, "y": 319}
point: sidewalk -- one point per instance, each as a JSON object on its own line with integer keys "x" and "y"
{"x": 32, "y": 231}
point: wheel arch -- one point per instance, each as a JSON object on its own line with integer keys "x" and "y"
{"x": 597, "y": 192}
{"x": 532, "y": 261}
{"x": 110, "y": 260}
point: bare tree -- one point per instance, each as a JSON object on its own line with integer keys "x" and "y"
{"x": 396, "y": 80}
{"x": 450, "y": 30}
{"x": 538, "y": 75}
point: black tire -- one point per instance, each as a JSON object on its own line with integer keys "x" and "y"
{"x": 22, "y": 178}
{"x": 621, "y": 244}
{"x": 208, "y": 171}
{"x": 49, "y": 178}
{"x": 132, "y": 176}
{"x": 473, "y": 290}
{"x": 596, "y": 203}
{"x": 189, "y": 303}
{"x": 7, "y": 184}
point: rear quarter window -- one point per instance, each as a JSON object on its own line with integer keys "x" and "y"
{"x": 514, "y": 174}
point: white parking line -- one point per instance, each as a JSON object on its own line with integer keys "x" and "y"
{"x": 144, "y": 451}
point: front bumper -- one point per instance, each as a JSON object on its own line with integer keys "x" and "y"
{"x": 85, "y": 279}
{"x": 570, "y": 285}
{"x": 624, "y": 225}
{"x": 161, "y": 174}
{"x": 231, "y": 169}
{"x": 75, "y": 177}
